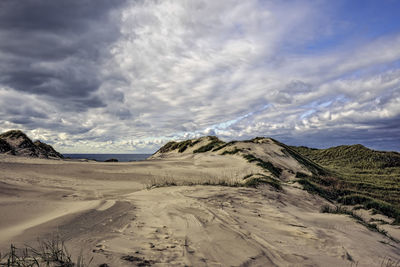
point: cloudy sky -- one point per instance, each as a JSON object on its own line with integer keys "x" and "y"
{"x": 105, "y": 76}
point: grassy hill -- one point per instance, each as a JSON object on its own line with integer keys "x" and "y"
{"x": 359, "y": 176}
{"x": 355, "y": 156}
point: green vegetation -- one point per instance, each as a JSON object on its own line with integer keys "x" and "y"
{"x": 259, "y": 179}
{"x": 372, "y": 226}
{"x": 181, "y": 146}
{"x": 167, "y": 147}
{"x": 250, "y": 180}
{"x": 314, "y": 168}
{"x": 224, "y": 145}
{"x": 301, "y": 175}
{"x": 156, "y": 183}
{"x": 14, "y": 134}
{"x": 184, "y": 145}
{"x": 214, "y": 142}
{"x": 264, "y": 164}
{"x": 315, "y": 188}
{"x": 370, "y": 203}
{"x": 231, "y": 152}
{"x": 356, "y": 156}
{"x": 356, "y": 175}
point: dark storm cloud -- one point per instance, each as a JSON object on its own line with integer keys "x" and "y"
{"x": 103, "y": 76}
{"x": 53, "y": 48}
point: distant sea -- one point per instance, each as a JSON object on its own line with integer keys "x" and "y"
{"x": 104, "y": 157}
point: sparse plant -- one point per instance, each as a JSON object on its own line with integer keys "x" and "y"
{"x": 343, "y": 210}
{"x": 214, "y": 142}
{"x": 231, "y": 152}
{"x": 262, "y": 180}
{"x": 167, "y": 182}
{"x": 49, "y": 253}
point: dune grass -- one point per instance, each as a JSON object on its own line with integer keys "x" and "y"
{"x": 231, "y": 152}
{"x": 181, "y": 146}
{"x": 342, "y": 210}
{"x": 50, "y": 253}
{"x": 275, "y": 171}
{"x": 214, "y": 143}
{"x": 250, "y": 180}
{"x": 255, "y": 180}
{"x": 166, "y": 182}
{"x": 356, "y": 175}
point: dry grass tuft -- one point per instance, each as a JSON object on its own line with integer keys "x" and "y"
{"x": 49, "y": 253}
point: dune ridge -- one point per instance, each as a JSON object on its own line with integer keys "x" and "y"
{"x": 17, "y": 143}
{"x": 117, "y": 214}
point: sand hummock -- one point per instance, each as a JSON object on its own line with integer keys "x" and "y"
{"x": 113, "y": 212}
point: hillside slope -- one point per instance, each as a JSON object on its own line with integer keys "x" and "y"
{"x": 17, "y": 143}
{"x": 363, "y": 176}
{"x": 272, "y": 158}
{"x": 351, "y": 175}
{"x": 354, "y": 156}
{"x": 194, "y": 215}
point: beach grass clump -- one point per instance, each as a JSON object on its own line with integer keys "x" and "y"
{"x": 49, "y": 253}
{"x": 168, "y": 182}
{"x": 275, "y": 171}
{"x": 180, "y": 146}
{"x": 230, "y": 179}
{"x": 371, "y": 203}
{"x": 301, "y": 175}
{"x": 318, "y": 189}
{"x": 214, "y": 142}
{"x": 168, "y": 147}
{"x": 255, "y": 180}
{"x": 231, "y": 152}
{"x": 224, "y": 145}
{"x": 342, "y": 210}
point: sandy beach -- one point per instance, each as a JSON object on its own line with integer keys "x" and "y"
{"x": 107, "y": 211}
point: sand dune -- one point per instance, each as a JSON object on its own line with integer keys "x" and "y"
{"x": 105, "y": 211}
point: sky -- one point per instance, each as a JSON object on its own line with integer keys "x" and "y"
{"x": 99, "y": 76}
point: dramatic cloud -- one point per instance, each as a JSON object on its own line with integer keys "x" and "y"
{"x": 126, "y": 76}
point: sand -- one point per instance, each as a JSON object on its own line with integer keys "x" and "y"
{"x": 105, "y": 211}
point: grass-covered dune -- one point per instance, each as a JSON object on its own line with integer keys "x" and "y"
{"x": 359, "y": 176}
{"x": 195, "y": 203}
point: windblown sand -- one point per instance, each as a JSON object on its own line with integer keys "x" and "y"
{"x": 105, "y": 211}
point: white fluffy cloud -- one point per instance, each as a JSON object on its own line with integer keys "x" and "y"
{"x": 238, "y": 69}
